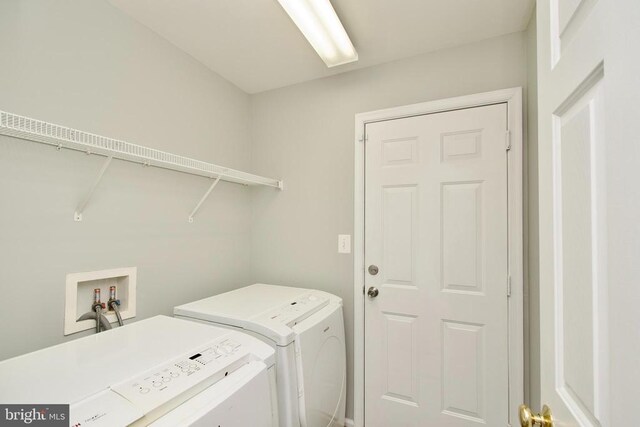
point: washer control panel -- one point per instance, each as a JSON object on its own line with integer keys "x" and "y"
{"x": 209, "y": 363}
{"x": 297, "y": 310}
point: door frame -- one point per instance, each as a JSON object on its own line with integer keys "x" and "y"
{"x": 513, "y": 98}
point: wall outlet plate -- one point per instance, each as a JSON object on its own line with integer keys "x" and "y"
{"x": 79, "y": 296}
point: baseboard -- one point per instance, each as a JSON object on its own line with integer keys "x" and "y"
{"x": 348, "y": 422}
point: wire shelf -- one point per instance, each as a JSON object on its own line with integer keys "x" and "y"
{"x": 63, "y": 137}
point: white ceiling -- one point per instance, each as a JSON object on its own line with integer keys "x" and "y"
{"x": 255, "y": 45}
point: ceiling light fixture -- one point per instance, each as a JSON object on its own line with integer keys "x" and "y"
{"x": 321, "y": 26}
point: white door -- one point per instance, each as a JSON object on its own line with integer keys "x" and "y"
{"x": 436, "y": 218}
{"x": 572, "y": 181}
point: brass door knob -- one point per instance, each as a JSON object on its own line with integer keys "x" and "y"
{"x": 528, "y": 419}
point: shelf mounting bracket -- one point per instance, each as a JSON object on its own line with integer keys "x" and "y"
{"x": 77, "y": 216}
{"x": 195, "y": 210}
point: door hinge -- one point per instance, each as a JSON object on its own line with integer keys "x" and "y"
{"x": 508, "y": 286}
{"x": 507, "y": 140}
{"x": 363, "y": 138}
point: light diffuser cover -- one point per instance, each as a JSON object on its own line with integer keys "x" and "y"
{"x": 321, "y": 26}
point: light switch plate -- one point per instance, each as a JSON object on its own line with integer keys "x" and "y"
{"x": 344, "y": 243}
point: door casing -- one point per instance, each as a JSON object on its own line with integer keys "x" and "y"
{"x": 513, "y": 98}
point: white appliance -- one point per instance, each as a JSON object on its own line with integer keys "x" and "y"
{"x": 306, "y": 329}
{"x": 160, "y": 371}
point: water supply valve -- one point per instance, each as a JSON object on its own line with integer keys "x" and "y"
{"x": 112, "y": 298}
{"x": 96, "y": 300}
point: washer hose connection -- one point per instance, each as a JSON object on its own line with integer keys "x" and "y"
{"x": 96, "y": 313}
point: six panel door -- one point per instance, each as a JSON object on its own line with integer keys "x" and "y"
{"x": 436, "y": 226}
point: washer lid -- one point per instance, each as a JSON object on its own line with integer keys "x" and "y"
{"x": 60, "y": 374}
{"x": 268, "y": 310}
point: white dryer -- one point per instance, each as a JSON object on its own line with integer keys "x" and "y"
{"x": 160, "y": 371}
{"x": 306, "y": 329}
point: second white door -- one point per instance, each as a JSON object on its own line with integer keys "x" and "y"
{"x": 436, "y": 254}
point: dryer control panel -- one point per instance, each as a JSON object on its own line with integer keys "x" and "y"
{"x": 296, "y": 310}
{"x": 204, "y": 366}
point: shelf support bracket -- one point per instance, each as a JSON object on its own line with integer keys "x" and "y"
{"x": 195, "y": 210}
{"x": 77, "y": 216}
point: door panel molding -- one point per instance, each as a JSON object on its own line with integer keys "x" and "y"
{"x": 460, "y": 149}
{"x": 581, "y": 357}
{"x": 572, "y": 46}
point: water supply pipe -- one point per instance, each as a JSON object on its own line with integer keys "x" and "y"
{"x": 114, "y": 304}
{"x": 96, "y": 313}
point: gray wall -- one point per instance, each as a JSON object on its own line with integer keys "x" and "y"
{"x": 83, "y": 64}
{"x": 121, "y": 80}
{"x": 305, "y": 134}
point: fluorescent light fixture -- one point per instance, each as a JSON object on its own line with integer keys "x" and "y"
{"x": 321, "y": 26}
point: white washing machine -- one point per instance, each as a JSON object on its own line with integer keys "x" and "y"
{"x": 160, "y": 371}
{"x": 306, "y": 329}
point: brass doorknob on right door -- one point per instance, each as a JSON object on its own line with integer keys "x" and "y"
{"x": 372, "y": 292}
{"x": 528, "y": 419}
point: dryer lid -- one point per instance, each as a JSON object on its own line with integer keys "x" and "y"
{"x": 268, "y": 310}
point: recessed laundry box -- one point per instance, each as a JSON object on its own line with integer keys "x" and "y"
{"x": 306, "y": 329}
